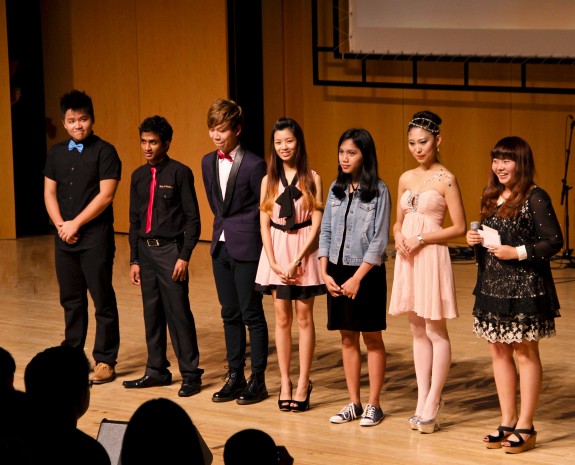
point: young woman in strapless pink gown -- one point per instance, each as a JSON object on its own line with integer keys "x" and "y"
{"x": 423, "y": 279}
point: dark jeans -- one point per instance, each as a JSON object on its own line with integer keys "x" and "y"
{"x": 241, "y": 307}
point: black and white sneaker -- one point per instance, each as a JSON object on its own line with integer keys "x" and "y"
{"x": 372, "y": 416}
{"x": 348, "y": 413}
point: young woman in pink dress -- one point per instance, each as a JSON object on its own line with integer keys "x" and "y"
{"x": 290, "y": 217}
{"x": 423, "y": 279}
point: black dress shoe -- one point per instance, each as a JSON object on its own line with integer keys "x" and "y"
{"x": 147, "y": 381}
{"x": 255, "y": 390}
{"x": 235, "y": 384}
{"x": 189, "y": 388}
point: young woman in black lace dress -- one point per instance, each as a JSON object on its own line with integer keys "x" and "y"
{"x": 516, "y": 302}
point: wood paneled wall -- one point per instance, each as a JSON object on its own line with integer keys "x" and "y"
{"x": 472, "y": 121}
{"x": 8, "y": 216}
{"x": 139, "y": 58}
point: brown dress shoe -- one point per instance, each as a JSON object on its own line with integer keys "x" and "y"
{"x": 103, "y": 373}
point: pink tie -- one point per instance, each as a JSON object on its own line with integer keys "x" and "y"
{"x": 151, "y": 202}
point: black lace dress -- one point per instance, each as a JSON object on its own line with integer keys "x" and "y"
{"x": 516, "y": 299}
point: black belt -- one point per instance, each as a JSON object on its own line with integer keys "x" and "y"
{"x": 293, "y": 228}
{"x": 157, "y": 242}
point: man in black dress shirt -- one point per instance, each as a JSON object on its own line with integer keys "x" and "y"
{"x": 81, "y": 178}
{"x": 164, "y": 229}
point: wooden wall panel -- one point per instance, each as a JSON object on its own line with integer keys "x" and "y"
{"x": 8, "y": 216}
{"x": 106, "y": 67}
{"x": 274, "y": 66}
{"x": 472, "y": 121}
{"x": 91, "y": 46}
{"x": 135, "y": 64}
{"x": 182, "y": 69}
{"x": 174, "y": 63}
{"x": 58, "y": 64}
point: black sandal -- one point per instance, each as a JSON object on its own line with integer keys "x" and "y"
{"x": 285, "y": 404}
{"x": 302, "y": 405}
{"x": 494, "y": 442}
{"x": 522, "y": 445}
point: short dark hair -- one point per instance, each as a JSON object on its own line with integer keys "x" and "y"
{"x": 250, "y": 446}
{"x": 67, "y": 368}
{"x": 78, "y": 101}
{"x": 167, "y": 430}
{"x": 157, "y": 125}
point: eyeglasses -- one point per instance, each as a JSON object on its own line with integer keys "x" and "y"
{"x": 90, "y": 384}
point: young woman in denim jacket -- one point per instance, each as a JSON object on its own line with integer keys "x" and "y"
{"x": 353, "y": 239}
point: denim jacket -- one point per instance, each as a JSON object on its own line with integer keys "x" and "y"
{"x": 367, "y": 228}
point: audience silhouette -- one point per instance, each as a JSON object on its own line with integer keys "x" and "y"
{"x": 57, "y": 383}
{"x": 15, "y": 415}
{"x": 255, "y": 447}
{"x": 160, "y": 431}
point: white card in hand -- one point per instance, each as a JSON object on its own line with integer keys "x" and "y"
{"x": 489, "y": 236}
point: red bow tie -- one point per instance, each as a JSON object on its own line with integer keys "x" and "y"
{"x": 225, "y": 156}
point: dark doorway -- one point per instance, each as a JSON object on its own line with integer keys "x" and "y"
{"x": 246, "y": 68}
{"x": 28, "y": 115}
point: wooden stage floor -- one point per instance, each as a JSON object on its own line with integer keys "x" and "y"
{"x": 31, "y": 319}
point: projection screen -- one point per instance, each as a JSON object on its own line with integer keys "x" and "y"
{"x": 516, "y": 28}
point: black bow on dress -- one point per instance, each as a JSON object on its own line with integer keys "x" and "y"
{"x": 286, "y": 200}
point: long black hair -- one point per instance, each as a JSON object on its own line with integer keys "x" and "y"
{"x": 368, "y": 179}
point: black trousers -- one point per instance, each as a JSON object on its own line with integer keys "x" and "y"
{"x": 79, "y": 272}
{"x": 166, "y": 302}
{"x": 241, "y": 307}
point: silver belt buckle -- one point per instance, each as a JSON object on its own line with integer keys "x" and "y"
{"x": 153, "y": 242}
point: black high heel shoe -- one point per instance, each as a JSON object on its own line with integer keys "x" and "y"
{"x": 285, "y": 404}
{"x": 494, "y": 442}
{"x": 302, "y": 405}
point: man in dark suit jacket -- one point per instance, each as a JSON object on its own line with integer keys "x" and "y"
{"x": 232, "y": 178}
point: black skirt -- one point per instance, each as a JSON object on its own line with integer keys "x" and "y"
{"x": 292, "y": 292}
{"x": 367, "y": 312}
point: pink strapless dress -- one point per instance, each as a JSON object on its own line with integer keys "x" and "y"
{"x": 424, "y": 284}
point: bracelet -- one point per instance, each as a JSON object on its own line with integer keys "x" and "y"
{"x": 135, "y": 262}
{"x": 297, "y": 262}
{"x": 421, "y": 241}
